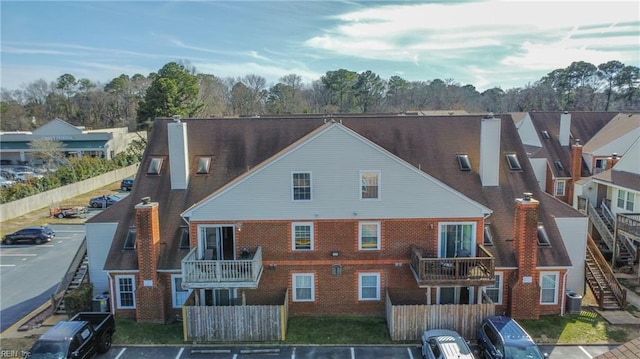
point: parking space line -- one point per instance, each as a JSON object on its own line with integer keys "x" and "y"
{"x": 7, "y": 265}
{"x": 179, "y": 353}
{"x": 17, "y": 255}
{"x": 586, "y": 352}
{"x": 293, "y": 353}
{"x": 235, "y": 356}
{"x": 121, "y": 352}
{"x": 353, "y": 353}
{"x": 410, "y": 354}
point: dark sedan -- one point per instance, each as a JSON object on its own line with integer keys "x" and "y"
{"x": 35, "y": 234}
{"x": 103, "y": 201}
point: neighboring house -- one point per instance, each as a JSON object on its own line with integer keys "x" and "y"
{"x": 612, "y": 200}
{"x": 614, "y": 139}
{"x": 555, "y": 143}
{"x": 76, "y": 141}
{"x": 337, "y": 213}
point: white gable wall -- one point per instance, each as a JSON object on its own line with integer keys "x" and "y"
{"x": 99, "y": 238}
{"x": 528, "y": 133}
{"x": 630, "y": 161}
{"x": 540, "y": 170}
{"x": 574, "y": 236}
{"x": 335, "y": 158}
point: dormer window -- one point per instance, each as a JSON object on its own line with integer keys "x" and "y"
{"x": 514, "y": 163}
{"x": 204, "y": 163}
{"x": 543, "y": 238}
{"x": 155, "y": 166}
{"x": 464, "y": 163}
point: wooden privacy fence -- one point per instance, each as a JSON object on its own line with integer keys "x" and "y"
{"x": 235, "y": 323}
{"x": 408, "y": 322}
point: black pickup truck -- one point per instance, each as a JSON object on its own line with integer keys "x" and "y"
{"x": 81, "y": 337}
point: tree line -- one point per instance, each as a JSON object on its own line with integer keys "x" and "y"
{"x": 178, "y": 89}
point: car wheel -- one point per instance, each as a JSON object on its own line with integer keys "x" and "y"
{"x": 38, "y": 240}
{"x": 8, "y": 241}
{"x": 105, "y": 343}
{"x": 95, "y": 205}
{"x": 123, "y": 189}
{"x": 60, "y": 215}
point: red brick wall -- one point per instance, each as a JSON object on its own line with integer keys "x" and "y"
{"x": 576, "y": 170}
{"x": 150, "y": 296}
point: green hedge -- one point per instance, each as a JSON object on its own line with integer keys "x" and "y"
{"x": 76, "y": 170}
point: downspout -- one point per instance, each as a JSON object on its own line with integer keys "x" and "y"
{"x": 111, "y": 300}
{"x": 564, "y": 294}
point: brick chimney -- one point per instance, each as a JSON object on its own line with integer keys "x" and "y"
{"x": 490, "y": 150}
{"x": 611, "y": 161}
{"x": 576, "y": 169}
{"x": 149, "y": 293}
{"x": 178, "y": 153}
{"x": 525, "y": 292}
{"x": 564, "y": 135}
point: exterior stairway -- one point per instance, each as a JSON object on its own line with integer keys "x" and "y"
{"x": 76, "y": 275}
{"x": 605, "y": 287}
{"x": 602, "y": 220}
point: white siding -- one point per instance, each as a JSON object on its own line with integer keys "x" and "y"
{"x": 528, "y": 133}
{"x": 574, "y": 236}
{"x": 335, "y": 158}
{"x": 178, "y": 155}
{"x": 540, "y": 170}
{"x": 99, "y": 238}
{"x": 630, "y": 161}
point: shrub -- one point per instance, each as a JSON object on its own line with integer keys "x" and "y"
{"x": 78, "y": 300}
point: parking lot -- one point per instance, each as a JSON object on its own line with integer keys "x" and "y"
{"x": 317, "y": 352}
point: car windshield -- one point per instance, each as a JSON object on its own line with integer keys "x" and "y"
{"x": 49, "y": 349}
{"x": 523, "y": 352}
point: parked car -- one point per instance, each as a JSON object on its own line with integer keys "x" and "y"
{"x": 25, "y": 176}
{"x": 501, "y": 337}
{"x": 444, "y": 344}
{"x": 82, "y": 336}
{"x": 126, "y": 184}
{"x": 5, "y": 182}
{"x": 103, "y": 201}
{"x": 34, "y": 234}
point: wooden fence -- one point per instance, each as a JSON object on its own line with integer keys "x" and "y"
{"x": 408, "y": 322}
{"x": 236, "y": 323}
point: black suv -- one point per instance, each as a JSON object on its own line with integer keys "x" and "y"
{"x": 126, "y": 184}
{"x": 501, "y": 337}
{"x": 36, "y": 235}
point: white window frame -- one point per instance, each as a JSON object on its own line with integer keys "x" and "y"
{"x": 626, "y": 200}
{"x": 442, "y": 226}
{"x": 630, "y": 200}
{"x": 293, "y": 186}
{"x": 379, "y": 239}
{"x": 561, "y": 186}
{"x": 556, "y": 276}
{"x": 293, "y": 236}
{"x": 119, "y": 291}
{"x": 294, "y": 284}
{"x": 361, "y": 287}
{"x": 378, "y": 177}
{"x": 178, "y": 291}
{"x": 499, "y": 278}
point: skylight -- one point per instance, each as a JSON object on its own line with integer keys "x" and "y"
{"x": 514, "y": 164}
{"x": 463, "y": 162}
{"x": 184, "y": 238}
{"x": 543, "y": 238}
{"x": 155, "y": 166}
{"x": 130, "y": 242}
{"x": 545, "y": 134}
{"x": 559, "y": 165}
{"x": 204, "y": 163}
{"x": 488, "y": 236}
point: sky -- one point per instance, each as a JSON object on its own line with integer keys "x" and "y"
{"x": 486, "y": 44}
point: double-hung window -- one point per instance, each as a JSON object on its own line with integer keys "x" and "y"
{"x": 370, "y": 182}
{"x": 369, "y": 238}
{"x": 560, "y": 184}
{"x": 494, "y": 292}
{"x": 125, "y": 291}
{"x": 626, "y": 200}
{"x": 303, "y": 287}
{"x": 301, "y": 186}
{"x": 549, "y": 288}
{"x": 369, "y": 286}
{"x": 302, "y": 236}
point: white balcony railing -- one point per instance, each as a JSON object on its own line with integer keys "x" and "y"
{"x": 241, "y": 273}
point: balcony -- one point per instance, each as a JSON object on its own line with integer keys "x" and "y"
{"x": 211, "y": 274}
{"x": 461, "y": 271}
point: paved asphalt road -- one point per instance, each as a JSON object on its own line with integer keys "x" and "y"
{"x": 29, "y": 273}
{"x": 315, "y": 352}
